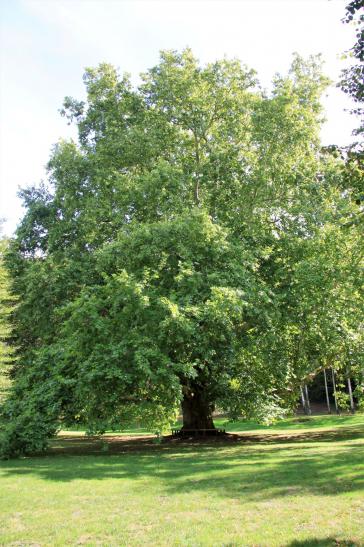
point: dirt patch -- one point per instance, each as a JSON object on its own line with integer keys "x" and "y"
{"x": 118, "y": 444}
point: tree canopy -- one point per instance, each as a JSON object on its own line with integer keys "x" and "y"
{"x": 195, "y": 247}
{"x": 352, "y": 81}
{"x": 6, "y": 308}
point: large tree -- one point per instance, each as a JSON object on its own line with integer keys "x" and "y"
{"x": 166, "y": 262}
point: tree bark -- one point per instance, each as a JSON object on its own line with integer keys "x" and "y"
{"x": 308, "y": 406}
{"x": 197, "y": 410}
{"x": 303, "y": 400}
{"x": 352, "y": 405}
{"x": 327, "y": 394}
{"x": 334, "y": 390}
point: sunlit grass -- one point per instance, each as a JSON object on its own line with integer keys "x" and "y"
{"x": 303, "y": 487}
{"x": 292, "y": 423}
{"x": 296, "y": 422}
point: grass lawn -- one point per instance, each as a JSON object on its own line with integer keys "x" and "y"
{"x": 298, "y": 422}
{"x": 299, "y": 483}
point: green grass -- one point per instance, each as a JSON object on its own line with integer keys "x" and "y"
{"x": 297, "y": 422}
{"x": 299, "y": 484}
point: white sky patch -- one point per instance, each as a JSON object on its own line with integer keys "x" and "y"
{"x": 46, "y": 44}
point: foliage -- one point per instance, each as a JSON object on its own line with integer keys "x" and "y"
{"x": 352, "y": 81}
{"x": 191, "y": 247}
{"x": 6, "y": 307}
{"x": 352, "y": 84}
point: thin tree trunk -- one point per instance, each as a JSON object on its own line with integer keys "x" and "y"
{"x": 307, "y": 401}
{"x": 304, "y": 404}
{"x": 352, "y": 405}
{"x": 334, "y": 389}
{"x": 327, "y": 394}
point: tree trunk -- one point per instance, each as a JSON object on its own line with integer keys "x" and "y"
{"x": 334, "y": 390}
{"x": 352, "y": 405}
{"x": 303, "y": 401}
{"x": 327, "y": 394}
{"x": 197, "y": 410}
{"x": 307, "y": 401}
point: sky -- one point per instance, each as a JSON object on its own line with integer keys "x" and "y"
{"x": 45, "y": 46}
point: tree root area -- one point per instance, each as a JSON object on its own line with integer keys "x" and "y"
{"x": 119, "y": 444}
{"x": 115, "y": 444}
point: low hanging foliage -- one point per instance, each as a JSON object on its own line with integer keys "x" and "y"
{"x": 7, "y": 304}
{"x": 193, "y": 249}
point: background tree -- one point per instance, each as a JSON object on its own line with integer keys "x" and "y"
{"x": 6, "y": 307}
{"x": 166, "y": 261}
{"x": 352, "y": 81}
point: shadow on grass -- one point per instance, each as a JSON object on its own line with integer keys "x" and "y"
{"x": 81, "y": 445}
{"x": 270, "y": 468}
{"x": 323, "y": 542}
{"x": 300, "y": 422}
{"x": 349, "y": 433}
